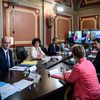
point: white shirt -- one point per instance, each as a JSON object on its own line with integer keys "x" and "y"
{"x": 33, "y": 52}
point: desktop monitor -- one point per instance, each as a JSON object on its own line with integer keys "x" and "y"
{"x": 86, "y": 36}
{"x": 75, "y": 36}
{"x": 95, "y": 34}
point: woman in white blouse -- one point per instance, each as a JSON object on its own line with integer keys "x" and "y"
{"x": 36, "y": 52}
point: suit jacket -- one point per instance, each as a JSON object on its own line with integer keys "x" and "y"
{"x": 86, "y": 84}
{"x": 96, "y": 62}
{"x": 52, "y": 50}
{"x": 3, "y": 65}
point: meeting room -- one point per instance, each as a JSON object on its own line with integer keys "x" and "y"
{"x": 49, "y": 49}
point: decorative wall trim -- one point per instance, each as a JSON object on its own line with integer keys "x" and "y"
{"x": 89, "y": 22}
{"x": 22, "y": 23}
{"x": 63, "y": 24}
{"x": 89, "y": 2}
{"x": 64, "y": 2}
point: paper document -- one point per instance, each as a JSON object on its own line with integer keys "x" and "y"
{"x": 33, "y": 68}
{"x": 92, "y": 56}
{"x": 47, "y": 58}
{"x": 18, "y": 68}
{"x": 22, "y": 84}
{"x": 7, "y": 90}
{"x": 35, "y": 77}
{"x": 57, "y": 57}
{"x": 56, "y": 73}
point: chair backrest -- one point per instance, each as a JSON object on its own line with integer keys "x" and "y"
{"x": 98, "y": 75}
{"x": 21, "y": 53}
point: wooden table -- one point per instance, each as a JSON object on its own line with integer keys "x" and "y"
{"x": 48, "y": 87}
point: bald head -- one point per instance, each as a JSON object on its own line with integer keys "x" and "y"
{"x": 6, "y": 41}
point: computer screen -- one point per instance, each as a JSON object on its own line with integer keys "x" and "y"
{"x": 86, "y": 36}
{"x": 75, "y": 36}
{"x": 95, "y": 34}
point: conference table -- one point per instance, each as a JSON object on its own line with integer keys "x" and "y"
{"x": 48, "y": 88}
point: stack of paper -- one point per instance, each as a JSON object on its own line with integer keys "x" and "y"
{"x": 22, "y": 84}
{"x": 28, "y": 63}
{"x": 35, "y": 77}
{"x": 33, "y": 68}
{"x": 56, "y": 73}
{"x": 7, "y": 90}
{"x": 18, "y": 68}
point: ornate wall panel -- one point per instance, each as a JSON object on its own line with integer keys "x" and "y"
{"x": 89, "y": 22}
{"x": 65, "y": 2}
{"x": 22, "y": 24}
{"x": 88, "y": 2}
{"x": 63, "y": 24}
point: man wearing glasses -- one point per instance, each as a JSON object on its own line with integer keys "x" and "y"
{"x": 6, "y": 60}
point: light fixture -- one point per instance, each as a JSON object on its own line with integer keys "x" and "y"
{"x": 50, "y": 19}
{"x": 60, "y": 9}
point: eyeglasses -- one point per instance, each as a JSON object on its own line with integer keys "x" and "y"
{"x": 7, "y": 42}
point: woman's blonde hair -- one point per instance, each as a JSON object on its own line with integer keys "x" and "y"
{"x": 78, "y": 51}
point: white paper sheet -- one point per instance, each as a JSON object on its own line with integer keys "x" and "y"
{"x": 56, "y": 72}
{"x": 22, "y": 84}
{"x": 46, "y": 59}
{"x": 92, "y": 56}
{"x": 58, "y": 57}
{"x": 18, "y": 68}
{"x": 7, "y": 90}
{"x": 35, "y": 77}
{"x": 33, "y": 68}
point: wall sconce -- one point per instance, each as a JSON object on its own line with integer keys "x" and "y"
{"x": 50, "y": 19}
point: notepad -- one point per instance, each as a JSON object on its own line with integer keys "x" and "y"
{"x": 22, "y": 84}
{"x": 28, "y": 63}
{"x": 56, "y": 73}
{"x": 18, "y": 68}
{"x": 7, "y": 90}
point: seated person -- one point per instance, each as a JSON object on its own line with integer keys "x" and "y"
{"x": 96, "y": 61}
{"x": 65, "y": 46}
{"x": 83, "y": 75}
{"x": 6, "y": 60}
{"x": 36, "y": 52}
{"x": 42, "y": 47}
{"x": 53, "y": 47}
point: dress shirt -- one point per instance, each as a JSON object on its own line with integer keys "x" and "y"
{"x": 6, "y": 51}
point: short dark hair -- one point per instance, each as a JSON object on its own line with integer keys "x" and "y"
{"x": 34, "y": 41}
{"x": 54, "y": 38}
{"x": 78, "y": 50}
{"x": 97, "y": 39}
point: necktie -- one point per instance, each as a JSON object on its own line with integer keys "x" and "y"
{"x": 7, "y": 59}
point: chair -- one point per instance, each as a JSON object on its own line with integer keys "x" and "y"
{"x": 21, "y": 54}
{"x": 98, "y": 75}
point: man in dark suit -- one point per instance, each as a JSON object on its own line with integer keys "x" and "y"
{"x": 53, "y": 47}
{"x": 96, "y": 62}
{"x": 6, "y": 60}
